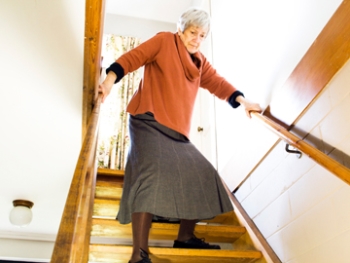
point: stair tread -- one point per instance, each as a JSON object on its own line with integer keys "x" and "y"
{"x": 110, "y": 172}
{"x": 223, "y": 228}
{"x": 108, "y": 253}
{"x": 166, "y": 231}
{"x": 107, "y": 208}
{"x": 108, "y": 189}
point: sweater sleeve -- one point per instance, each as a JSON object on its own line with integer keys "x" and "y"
{"x": 232, "y": 99}
{"x": 117, "y": 69}
{"x": 216, "y": 84}
{"x": 143, "y": 54}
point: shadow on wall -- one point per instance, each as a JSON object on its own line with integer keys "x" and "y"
{"x": 323, "y": 146}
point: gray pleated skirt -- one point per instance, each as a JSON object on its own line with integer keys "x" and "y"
{"x": 166, "y": 175}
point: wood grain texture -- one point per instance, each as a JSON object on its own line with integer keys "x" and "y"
{"x": 321, "y": 158}
{"x": 121, "y": 254}
{"x": 329, "y": 52}
{"x": 110, "y": 173}
{"x": 268, "y": 253}
{"x": 94, "y": 18}
{"x": 109, "y": 189}
{"x": 106, "y": 208}
{"x": 229, "y": 218}
{"x": 166, "y": 231}
{"x": 223, "y": 229}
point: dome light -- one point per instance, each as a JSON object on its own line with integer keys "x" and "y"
{"x": 21, "y": 214}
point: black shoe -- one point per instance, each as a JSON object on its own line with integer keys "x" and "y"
{"x": 144, "y": 256}
{"x": 168, "y": 220}
{"x": 194, "y": 243}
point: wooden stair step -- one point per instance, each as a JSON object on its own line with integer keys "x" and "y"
{"x": 108, "y": 208}
{"x": 109, "y": 186}
{"x": 166, "y": 231}
{"x": 121, "y": 254}
{"x": 110, "y": 172}
{"x": 229, "y": 218}
{"x": 223, "y": 228}
{"x": 109, "y": 189}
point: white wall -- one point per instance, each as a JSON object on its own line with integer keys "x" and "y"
{"x": 41, "y": 81}
{"x": 22, "y": 250}
{"x": 256, "y": 45}
{"x": 302, "y": 209}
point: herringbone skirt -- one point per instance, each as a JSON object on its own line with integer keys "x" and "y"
{"x": 167, "y": 176}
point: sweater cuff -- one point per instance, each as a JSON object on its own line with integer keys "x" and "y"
{"x": 117, "y": 69}
{"x": 232, "y": 100}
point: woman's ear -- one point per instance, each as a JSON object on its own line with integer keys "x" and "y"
{"x": 179, "y": 31}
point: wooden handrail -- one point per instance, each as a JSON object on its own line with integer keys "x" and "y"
{"x": 324, "y": 160}
{"x": 73, "y": 238}
{"x": 257, "y": 237}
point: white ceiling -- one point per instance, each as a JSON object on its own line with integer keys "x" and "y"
{"x": 158, "y": 10}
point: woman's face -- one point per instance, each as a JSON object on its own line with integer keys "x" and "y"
{"x": 193, "y": 37}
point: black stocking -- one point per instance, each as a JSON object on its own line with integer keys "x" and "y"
{"x": 141, "y": 223}
{"x": 186, "y": 229}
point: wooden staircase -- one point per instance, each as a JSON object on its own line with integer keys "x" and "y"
{"x": 111, "y": 241}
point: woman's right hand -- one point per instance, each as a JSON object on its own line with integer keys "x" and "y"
{"x": 104, "y": 90}
{"x": 106, "y": 86}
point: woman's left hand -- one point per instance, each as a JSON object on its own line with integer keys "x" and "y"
{"x": 248, "y": 106}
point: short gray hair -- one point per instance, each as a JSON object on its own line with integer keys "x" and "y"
{"x": 194, "y": 17}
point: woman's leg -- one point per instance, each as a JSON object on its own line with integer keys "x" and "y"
{"x": 186, "y": 229}
{"x": 141, "y": 223}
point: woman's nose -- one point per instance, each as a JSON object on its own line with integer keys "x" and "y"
{"x": 198, "y": 39}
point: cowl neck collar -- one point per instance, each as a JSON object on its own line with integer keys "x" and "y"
{"x": 191, "y": 63}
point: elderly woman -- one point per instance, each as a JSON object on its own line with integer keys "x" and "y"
{"x": 165, "y": 174}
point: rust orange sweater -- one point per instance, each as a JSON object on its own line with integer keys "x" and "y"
{"x": 171, "y": 80}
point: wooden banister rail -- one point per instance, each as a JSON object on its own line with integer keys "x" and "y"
{"x": 257, "y": 237}
{"x": 324, "y": 160}
{"x": 73, "y": 238}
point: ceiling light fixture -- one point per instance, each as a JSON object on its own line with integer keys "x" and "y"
{"x": 21, "y": 214}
